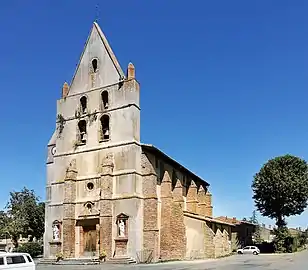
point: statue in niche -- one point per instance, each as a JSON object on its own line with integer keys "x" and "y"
{"x": 122, "y": 228}
{"x": 55, "y": 232}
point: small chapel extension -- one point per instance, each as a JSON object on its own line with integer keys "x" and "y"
{"x": 106, "y": 191}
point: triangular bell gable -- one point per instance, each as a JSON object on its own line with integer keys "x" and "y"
{"x": 108, "y": 68}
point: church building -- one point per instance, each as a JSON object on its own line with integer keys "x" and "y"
{"x": 108, "y": 193}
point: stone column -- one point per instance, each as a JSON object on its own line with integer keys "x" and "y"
{"x": 201, "y": 201}
{"x": 192, "y": 201}
{"x": 105, "y": 220}
{"x": 68, "y": 227}
{"x": 177, "y": 194}
{"x": 166, "y": 205}
{"x": 178, "y": 230}
{"x": 208, "y": 202}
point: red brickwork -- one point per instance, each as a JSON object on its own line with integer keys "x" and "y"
{"x": 192, "y": 198}
{"x": 173, "y": 238}
{"x": 105, "y": 227}
{"x": 150, "y": 215}
{"x": 69, "y": 211}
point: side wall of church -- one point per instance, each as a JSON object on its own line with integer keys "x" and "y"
{"x": 170, "y": 194}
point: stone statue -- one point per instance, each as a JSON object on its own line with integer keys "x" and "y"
{"x": 121, "y": 228}
{"x": 56, "y": 232}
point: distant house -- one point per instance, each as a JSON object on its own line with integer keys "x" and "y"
{"x": 242, "y": 232}
{"x": 266, "y": 234}
{"x": 295, "y": 231}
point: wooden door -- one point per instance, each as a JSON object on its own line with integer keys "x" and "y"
{"x": 89, "y": 241}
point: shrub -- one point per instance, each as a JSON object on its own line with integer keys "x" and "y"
{"x": 59, "y": 256}
{"x": 33, "y": 248}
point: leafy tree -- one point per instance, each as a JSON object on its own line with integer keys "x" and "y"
{"x": 33, "y": 248}
{"x": 25, "y": 215}
{"x": 281, "y": 188}
{"x": 253, "y": 219}
{"x": 3, "y": 224}
{"x": 257, "y": 232}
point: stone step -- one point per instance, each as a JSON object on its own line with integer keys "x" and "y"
{"x": 46, "y": 261}
{"x": 121, "y": 260}
{"x": 69, "y": 261}
{"x": 78, "y": 262}
{"x": 115, "y": 260}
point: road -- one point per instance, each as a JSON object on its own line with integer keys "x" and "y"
{"x": 296, "y": 261}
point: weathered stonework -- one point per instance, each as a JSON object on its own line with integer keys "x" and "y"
{"x": 192, "y": 198}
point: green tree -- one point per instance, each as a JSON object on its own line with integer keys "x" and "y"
{"x": 253, "y": 219}
{"x": 281, "y": 188}
{"x": 4, "y": 220}
{"x": 257, "y": 231}
{"x": 25, "y": 215}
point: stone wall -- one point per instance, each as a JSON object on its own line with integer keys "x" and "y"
{"x": 202, "y": 241}
{"x": 217, "y": 244}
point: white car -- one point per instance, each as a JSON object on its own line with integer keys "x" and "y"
{"x": 16, "y": 261}
{"x": 249, "y": 250}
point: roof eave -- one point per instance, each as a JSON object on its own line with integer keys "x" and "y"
{"x": 152, "y": 148}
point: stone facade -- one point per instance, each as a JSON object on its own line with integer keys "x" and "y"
{"x": 109, "y": 193}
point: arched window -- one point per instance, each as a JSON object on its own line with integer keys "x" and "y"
{"x": 105, "y": 127}
{"x": 105, "y": 99}
{"x": 82, "y": 127}
{"x": 94, "y": 65}
{"x": 83, "y": 104}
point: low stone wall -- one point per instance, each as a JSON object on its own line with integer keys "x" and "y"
{"x": 203, "y": 242}
{"x": 216, "y": 244}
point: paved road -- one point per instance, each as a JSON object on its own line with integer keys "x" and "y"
{"x": 297, "y": 261}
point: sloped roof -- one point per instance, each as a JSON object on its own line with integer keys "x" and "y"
{"x": 233, "y": 220}
{"x": 152, "y": 149}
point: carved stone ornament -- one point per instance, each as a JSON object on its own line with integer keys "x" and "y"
{"x": 122, "y": 224}
{"x": 56, "y": 230}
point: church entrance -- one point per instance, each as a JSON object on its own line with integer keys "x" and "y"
{"x": 88, "y": 246}
{"x": 90, "y": 240}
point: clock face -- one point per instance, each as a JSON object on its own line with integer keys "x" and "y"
{"x": 53, "y": 150}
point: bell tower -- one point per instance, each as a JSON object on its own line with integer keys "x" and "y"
{"x": 98, "y": 131}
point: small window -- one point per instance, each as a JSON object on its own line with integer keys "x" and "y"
{"x": 83, "y": 104}
{"x": 1, "y": 261}
{"x": 82, "y": 126}
{"x": 105, "y": 127}
{"x": 29, "y": 258}
{"x": 246, "y": 247}
{"x": 105, "y": 99}
{"x": 15, "y": 260}
{"x": 89, "y": 206}
{"x": 90, "y": 186}
{"x": 94, "y": 65}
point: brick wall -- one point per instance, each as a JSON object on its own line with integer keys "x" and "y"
{"x": 192, "y": 198}
{"x": 173, "y": 237}
{"x": 105, "y": 220}
{"x": 68, "y": 224}
{"x": 150, "y": 214}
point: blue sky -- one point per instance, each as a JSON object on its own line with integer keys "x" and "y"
{"x": 224, "y": 84}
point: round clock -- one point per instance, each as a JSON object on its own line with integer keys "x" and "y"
{"x": 53, "y": 150}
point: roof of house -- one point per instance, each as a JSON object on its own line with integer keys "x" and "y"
{"x": 154, "y": 150}
{"x": 206, "y": 218}
{"x": 233, "y": 220}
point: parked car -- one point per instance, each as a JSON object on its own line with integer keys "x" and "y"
{"x": 16, "y": 261}
{"x": 249, "y": 250}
